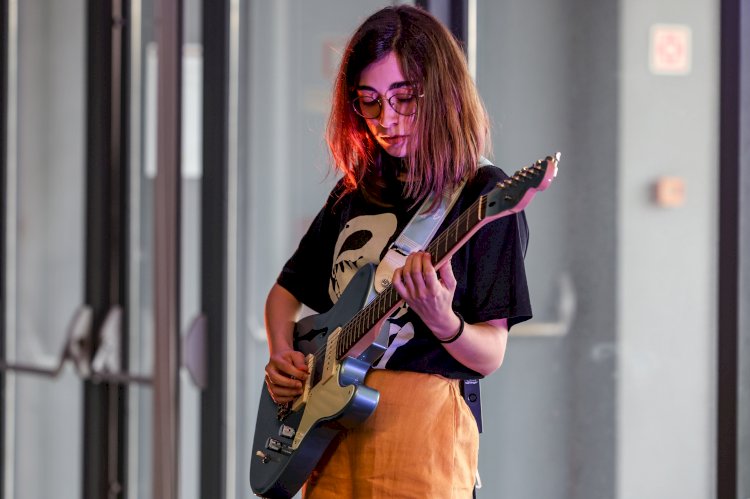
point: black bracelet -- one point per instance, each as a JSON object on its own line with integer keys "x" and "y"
{"x": 460, "y": 330}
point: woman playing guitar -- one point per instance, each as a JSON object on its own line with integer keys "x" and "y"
{"x": 406, "y": 123}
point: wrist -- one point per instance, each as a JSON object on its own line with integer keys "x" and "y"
{"x": 454, "y": 332}
{"x": 279, "y": 348}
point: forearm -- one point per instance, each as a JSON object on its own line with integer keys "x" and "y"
{"x": 480, "y": 347}
{"x": 280, "y": 316}
{"x": 286, "y": 368}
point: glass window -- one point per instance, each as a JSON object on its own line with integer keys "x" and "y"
{"x": 143, "y": 100}
{"x": 743, "y": 415}
{"x": 142, "y": 171}
{"x": 44, "y": 244}
{"x": 622, "y": 403}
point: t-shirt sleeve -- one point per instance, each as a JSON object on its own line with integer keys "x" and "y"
{"x": 494, "y": 277}
{"x": 305, "y": 275}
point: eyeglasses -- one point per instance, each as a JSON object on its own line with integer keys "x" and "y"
{"x": 404, "y": 103}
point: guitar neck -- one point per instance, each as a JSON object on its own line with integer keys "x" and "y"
{"x": 509, "y": 196}
{"x": 440, "y": 249}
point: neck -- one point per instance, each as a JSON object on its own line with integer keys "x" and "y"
{"x": 384, "y": 183}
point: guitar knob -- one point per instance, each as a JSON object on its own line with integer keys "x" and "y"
{"x": 263, "y": 457}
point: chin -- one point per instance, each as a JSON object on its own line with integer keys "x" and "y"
{"x": 398, "y": 151}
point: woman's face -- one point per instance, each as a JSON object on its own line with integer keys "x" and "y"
{"x": 388, "y": 102}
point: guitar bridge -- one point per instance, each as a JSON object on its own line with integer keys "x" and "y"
{"x": 300, "y": 401}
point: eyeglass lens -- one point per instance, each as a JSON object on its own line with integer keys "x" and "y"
{"x": 404, "y": 103}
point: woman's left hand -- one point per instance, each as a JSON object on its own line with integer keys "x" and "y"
{"x": 428, "y": 292}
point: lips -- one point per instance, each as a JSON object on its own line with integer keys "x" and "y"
{"x": 393, "y": 139}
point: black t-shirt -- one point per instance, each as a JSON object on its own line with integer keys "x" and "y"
{"x": 350, "y": 232}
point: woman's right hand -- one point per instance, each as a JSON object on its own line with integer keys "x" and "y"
{"x": 285, "y": 373}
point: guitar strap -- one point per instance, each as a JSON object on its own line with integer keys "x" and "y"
{"x": 415, "y": 236}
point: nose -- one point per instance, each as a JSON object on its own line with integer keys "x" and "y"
{"x": 388, "y": 116}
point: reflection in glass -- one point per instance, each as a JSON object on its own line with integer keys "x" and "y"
{"x": 45, "y": 243}
{"x": 144, "y": 104}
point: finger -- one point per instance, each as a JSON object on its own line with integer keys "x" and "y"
{"x": 417, "y": 270}
{"x": 426, "y": 262}
{"x": 429, "y": 274}
{"x": 432, "y": 283}
{"x": 298, "y": 367}
{"x": 416, "y": 262}
{"x": 447, "y": 276}
{"x": 297, "y": 358}
{"x": 278, "y": 394}
{"x": 280, "y": 391}
{"x": 398, "y": 283}
{"x": 282, "y": 380}
{"x": 417, "y": 265}
{"x": 409, "y": 277}
{"x": 397, "y": 280}
{"x": 408, "y": 263}
{"x": 290, "y": 364}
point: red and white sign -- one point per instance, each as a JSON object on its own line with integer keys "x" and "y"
{"x": 670, "y": 51}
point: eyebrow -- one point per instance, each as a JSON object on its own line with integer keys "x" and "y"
{"x": 394, "y": 85}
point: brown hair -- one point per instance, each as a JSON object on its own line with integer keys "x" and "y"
{"x": 451, "y": 127}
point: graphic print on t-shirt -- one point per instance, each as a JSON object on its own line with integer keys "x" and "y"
{"x": 360, "y": 242}
{"x": 399, "y": 333}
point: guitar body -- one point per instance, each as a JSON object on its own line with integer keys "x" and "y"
{"x": 287, "y": 448}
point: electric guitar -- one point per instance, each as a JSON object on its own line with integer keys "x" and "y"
{"x": 342, "y": 344}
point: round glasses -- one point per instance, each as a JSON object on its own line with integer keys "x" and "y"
{"x": 404, "y": 103}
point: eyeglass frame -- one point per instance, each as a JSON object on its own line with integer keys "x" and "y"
{"x": 379, "y": 100}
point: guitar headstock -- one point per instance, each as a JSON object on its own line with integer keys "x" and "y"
{"x": 516, "y": 192}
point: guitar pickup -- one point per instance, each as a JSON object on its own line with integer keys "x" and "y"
{"x": 278, "y": 446}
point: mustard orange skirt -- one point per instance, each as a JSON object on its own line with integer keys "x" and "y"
{"x": 421, "y": 442}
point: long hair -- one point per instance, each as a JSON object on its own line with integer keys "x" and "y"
{"x": 451, "y": 128}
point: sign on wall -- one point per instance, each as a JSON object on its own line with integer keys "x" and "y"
{"x": 670, "y": 49}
